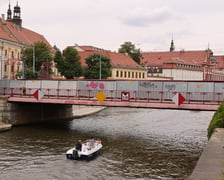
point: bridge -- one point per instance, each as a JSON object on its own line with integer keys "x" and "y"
{"x": 49, "y": 99}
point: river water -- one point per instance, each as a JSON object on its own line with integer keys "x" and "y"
{"x": 138, "y": 144}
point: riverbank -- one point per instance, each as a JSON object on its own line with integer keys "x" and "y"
{"x": 5, "y": 127}
{"x": 211, "y": 163}
{"x": 82, "y": 110}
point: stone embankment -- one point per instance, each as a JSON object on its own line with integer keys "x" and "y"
{"x": 211, "y": 163}
{"x": 4, "y": 125}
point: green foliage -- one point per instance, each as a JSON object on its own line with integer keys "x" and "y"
{"x": 68, "y": 63}
{"x": 38, "y": 51}
{"x": 217, "y": 120}
{"x": 92, "y": 71}
{"x": 130, "y": 49}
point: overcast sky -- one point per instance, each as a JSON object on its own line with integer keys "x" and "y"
{"x": 149, "y": 24}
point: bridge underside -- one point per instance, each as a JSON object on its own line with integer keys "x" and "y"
{"x": 26, "y": 113}
{"x": 63, "y": 102}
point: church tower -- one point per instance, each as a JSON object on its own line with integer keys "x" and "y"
{"x": 16, "y": 15}
{"x": 172, "y": 47}
{"x": 9, "y": 13}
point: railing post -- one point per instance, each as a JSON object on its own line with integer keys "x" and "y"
{"x": 161, "y": 96}
{"x": 78, "y": 91}
{"x": 67, "y": 92}
{"x": 111, "y": 97}
{"x": 11, "y": 91}
{"x": 48, "y": 94}
{"x": 148, "y": 92}
{"x": 189, "y": 97}
{"x": 58, "y": 93}
{"x": 89, "y": 94}
{"x": 203, "y": 95}
{"x": 4, "y": 91}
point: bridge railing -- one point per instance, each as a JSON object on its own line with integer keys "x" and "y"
{"x": 115, "y": 95}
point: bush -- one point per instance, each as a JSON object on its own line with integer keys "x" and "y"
{"x": 217, "y": 120}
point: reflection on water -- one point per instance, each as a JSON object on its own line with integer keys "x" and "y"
{"x": 138, "y": 144}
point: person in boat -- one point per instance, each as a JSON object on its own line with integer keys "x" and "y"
{"x": 78, "y": 146}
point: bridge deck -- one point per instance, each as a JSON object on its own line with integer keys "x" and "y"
{"x": 171, "y": 105}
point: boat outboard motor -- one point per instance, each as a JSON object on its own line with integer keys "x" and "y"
{"x": 75, "y": 154}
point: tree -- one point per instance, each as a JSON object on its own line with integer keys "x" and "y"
{"x": 68, "y": 63}
{"x": 33, "y": 56}
{"x": 130, "y": 49}
{"x": 95, "y": 63}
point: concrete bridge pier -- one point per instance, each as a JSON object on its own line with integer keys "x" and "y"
{"x": 26, "y": 113}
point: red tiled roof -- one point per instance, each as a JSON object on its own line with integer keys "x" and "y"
{"x": 182, "y": 57}
{"x": 11, "y": 32}
{"x": 117, "y": 59}
{"x": 220, "y": 60}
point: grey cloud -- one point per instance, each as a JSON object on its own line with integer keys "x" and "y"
{"x": 145, "y": 17}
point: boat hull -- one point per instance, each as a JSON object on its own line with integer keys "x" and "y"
{"x": 88, "y": 151}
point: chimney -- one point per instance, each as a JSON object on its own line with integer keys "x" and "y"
{"x": 3, "y": 17}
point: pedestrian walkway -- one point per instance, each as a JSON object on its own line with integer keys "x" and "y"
{"x": 211, "y": 163}
{"x": 82, "y": 110}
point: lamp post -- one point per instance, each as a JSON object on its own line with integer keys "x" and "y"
{"x": 100, "y": 72}
{"x": 34, "y": 58}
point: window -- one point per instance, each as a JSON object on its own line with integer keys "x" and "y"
{"x": 117, "y": 73}
{"x": 125, "y": 74}
{"x": 6, "y": 52}
{"x": 140, "y": 75}
{"x": 129, "y": 74}
{"x": 121, "y": 73}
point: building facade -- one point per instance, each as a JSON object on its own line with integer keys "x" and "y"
{"x": 123, "y": 67}
{"x": 183, "y": 65}
{"x": 13, "y": 38}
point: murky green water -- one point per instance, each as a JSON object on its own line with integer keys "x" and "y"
{"x": 138, "y": 144}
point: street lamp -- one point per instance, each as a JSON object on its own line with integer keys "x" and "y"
{"x": 100, "y": 72}
{"x": 34, "y": 58}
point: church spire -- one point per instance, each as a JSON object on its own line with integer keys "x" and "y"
{"x": 17, "y": 15}
{"x": 172, "y": 47}
{"x": 9, "y": 12}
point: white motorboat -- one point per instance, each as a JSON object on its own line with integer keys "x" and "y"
{"x": 89, "y": 148}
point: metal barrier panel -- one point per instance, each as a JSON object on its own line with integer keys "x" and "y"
{"x": 150, "y": 90}
{"x": 5, "y": 83}
{"x": 127, "y": 86}
{"x": 200, "y": 87}
{"x": 171, "y": 88}
{"x": 35, "y": 84}
{"x": 49, "y": 84}
{"x": 219, "y": 91}
{"x": 69, "y": 87}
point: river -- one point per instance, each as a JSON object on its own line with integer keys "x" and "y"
{"x": 138, "y": 143}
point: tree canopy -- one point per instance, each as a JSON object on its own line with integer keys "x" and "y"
{"x": 130, "y": 49}
{"x": 33, "y": 57}
{"x": 68, "y": 63}
{"x": 95, "y": 63}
